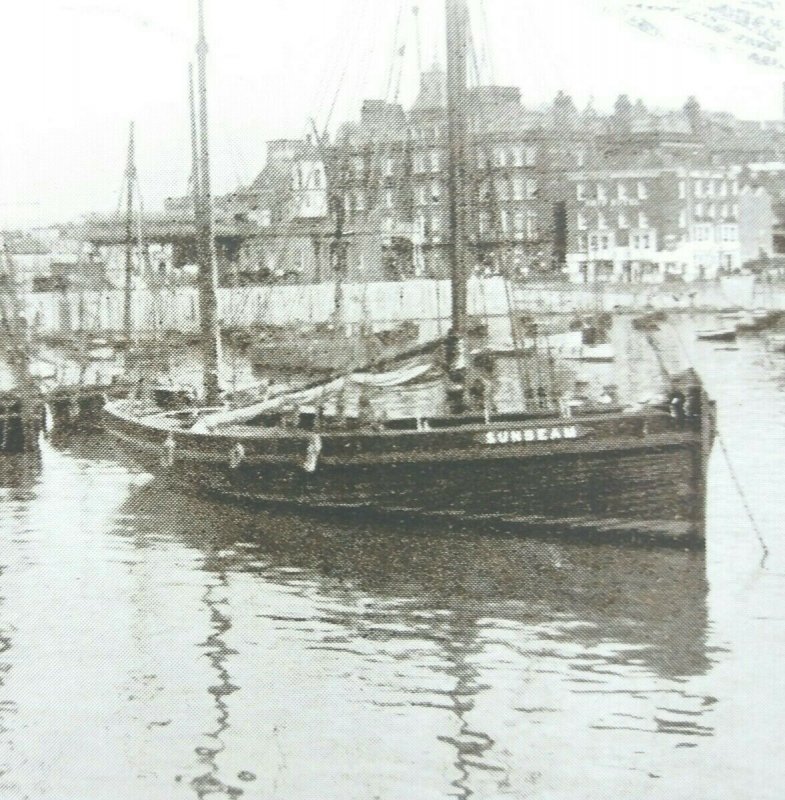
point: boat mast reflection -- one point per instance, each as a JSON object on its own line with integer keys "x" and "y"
{"x": 215, "y": 598}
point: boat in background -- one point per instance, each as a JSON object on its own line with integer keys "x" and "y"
{"x": 759, "y": 319}
{"x": 650, "y": 321}
{"x": 327, "y": 349}
{"x": 717, "y": 335}
{"x": 776, "y": 342}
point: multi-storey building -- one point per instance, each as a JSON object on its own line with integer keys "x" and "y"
{"x": 654, "y": 223}
{"x": 382, "y": 181}
{"x": 394, "y": 173}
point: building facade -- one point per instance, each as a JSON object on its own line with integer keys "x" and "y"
{"x": 659, "y": 223}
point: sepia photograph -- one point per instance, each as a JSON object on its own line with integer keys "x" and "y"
{"x": 392, "y": 399}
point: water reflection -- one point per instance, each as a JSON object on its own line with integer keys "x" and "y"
{"x": 19, "y": 474}
{"x": 218, "y": 653}
{"x": 476, "y": 636}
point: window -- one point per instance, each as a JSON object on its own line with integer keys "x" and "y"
{"x": 580, "y": 191}
{"x": 698, "y": 188}
{"x": 710, "y": 188}
{"x": 531, "y": 225}
{"x": 531, "y": 156}
{"x": 531, "y": 188}
{"x": 388, "y": 198}
{"x": 504, "y": 189}
{"x": 621, "y": 191}
{"x": 643, "y": 191}
{"x": 419, "y": 162}
{"x": 725, "y": 210}
{"x": 436, "y": 191}
{"x": 389, "y": 167}
{"x": 710, "y": 209}
{"x": 723, "y": 188}
{"x": 387, "y": 225}
{"x": 505, "y": 219}
{"x": 601, "y": 197}
{"x": 734, "y": 188}
{"x": 501, "y": 157}
{"x": 519, "y": 222}
{"x": 359, "y": 164}
{"x": 482, "y": 160}
{"x": 682, "y": 190}
{"x": 581, "y": 222}
{"x": 434, "y": 161}
{"x": 359, "y": 201}
{"x": 601, "y": 223}
{"x": 698, "y": 210}
{"x": 729, "y": 233}
{"x": 436, "y": 224}
{"x": 643, "y": 222}
{"x": 421, "y": 198}
{"x": 703, "y": 233}
{"x": 623, "y": 223}
{"x": 517, "y": 156}
{"x": 683, "y": 218}
{"x": 735, "y": 211}
{"x": 581, "y": 158}
{"x": 517, "y": 188}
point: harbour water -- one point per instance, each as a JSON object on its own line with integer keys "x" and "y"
{"x": 155, "y": 645}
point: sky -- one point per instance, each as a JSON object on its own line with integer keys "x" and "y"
{"x": 75, "y": 72}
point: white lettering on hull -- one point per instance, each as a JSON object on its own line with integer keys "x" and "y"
{"x": 532, "y": 435}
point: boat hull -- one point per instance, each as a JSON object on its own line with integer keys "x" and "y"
{"x": 721, "y": 335}
{"x": 615, "y": 476}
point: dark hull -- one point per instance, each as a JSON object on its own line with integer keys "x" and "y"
{"x": 726, "y": 335}
{"x": 621, "y": 475}
{"x": 21, "y": 422}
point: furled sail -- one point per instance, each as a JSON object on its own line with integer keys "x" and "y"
{"x": 318, "y": 394}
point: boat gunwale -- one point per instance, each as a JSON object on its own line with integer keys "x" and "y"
{"x": 253, "y": 433}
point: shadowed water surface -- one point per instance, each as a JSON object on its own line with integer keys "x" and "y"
{"x": 156, "y": 645}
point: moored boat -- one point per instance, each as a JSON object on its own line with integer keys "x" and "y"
{"x": 555, "y": 464}
{"x": 327, "y": 349}
{"x": 776, "y": 342}
{"x": 650, "y": 321}
{"x": 759, "y": 319}
{"x": 717, "y": 334}
{"x": 611, "y": 471}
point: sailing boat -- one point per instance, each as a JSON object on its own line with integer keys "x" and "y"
{"x": 448, "y": 454}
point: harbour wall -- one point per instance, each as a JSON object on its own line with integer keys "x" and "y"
{"x": 178, "y": 309}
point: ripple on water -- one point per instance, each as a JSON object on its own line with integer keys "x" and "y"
{"x": 220, "y": 650}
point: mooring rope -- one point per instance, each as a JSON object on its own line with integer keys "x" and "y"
{"x": 731, "y": 469}
{"x": 745, "y": 503}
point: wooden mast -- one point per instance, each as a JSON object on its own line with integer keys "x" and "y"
{"x": 205, "y": 236}
{"x": 457, "y": 348}
{"x": 130, "y": 177}
{"x": 196, "y": 181}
